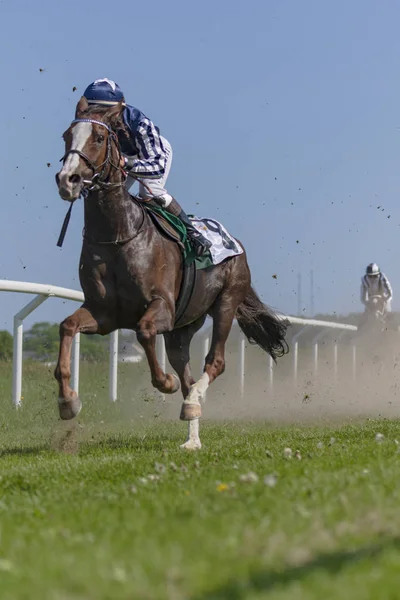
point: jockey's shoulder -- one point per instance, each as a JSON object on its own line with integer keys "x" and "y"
{"x": 133, "y": 117}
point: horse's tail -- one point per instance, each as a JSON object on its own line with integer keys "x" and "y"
{"x": 262, "y": 326}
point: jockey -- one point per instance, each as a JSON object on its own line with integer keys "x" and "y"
{"x": 147, "y": 156}
{"x": 375, "y": 283}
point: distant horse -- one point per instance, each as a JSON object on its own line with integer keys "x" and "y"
{"x": 131, "y": 273}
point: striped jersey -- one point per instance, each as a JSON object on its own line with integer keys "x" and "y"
{"x": 143, "y": 145}
{"x": 375, "y": 286}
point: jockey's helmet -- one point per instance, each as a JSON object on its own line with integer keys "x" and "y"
{"x": 104, "y": 91}
{"x": 373, "y": 269}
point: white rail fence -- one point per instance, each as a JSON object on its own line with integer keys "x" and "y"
{"x": 42, "y": 292}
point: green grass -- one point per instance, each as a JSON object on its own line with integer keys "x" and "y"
{"x": 80, "y": 518}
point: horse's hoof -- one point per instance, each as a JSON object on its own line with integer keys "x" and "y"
{"x": 69, "y": 408}
{"x": 191, "y": 445}
{"x": 190, "y": 411}
{"x": 176, "y": 384}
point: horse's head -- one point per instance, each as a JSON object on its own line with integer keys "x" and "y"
{"x": 376, "y": 307}
{"x": 91, "y": 149}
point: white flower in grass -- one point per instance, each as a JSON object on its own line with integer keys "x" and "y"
{"x": 249, "y": 477}
{"x": 160, "y": 468}
{"x": 379, "y": 437}
{"x": 270, "y": 480}
{"x": 287, "y": 453}
{"x": 119, "y": 574}
{"x": 153, "y": 477}
{"x": 6, "y": 565}
{"x": 320, "y": 445}
{"x": 297, "y": 455}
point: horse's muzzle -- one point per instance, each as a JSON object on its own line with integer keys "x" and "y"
{"x": 69, "y": 187}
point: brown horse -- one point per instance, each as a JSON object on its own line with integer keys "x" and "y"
{"x": 131, "y": 273}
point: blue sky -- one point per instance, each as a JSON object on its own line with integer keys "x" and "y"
{"x": 283, "y": 116}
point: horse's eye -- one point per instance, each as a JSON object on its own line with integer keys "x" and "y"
{"x": 100, "y": 139}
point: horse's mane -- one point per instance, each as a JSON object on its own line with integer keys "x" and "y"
{"x": 118, "y": 125}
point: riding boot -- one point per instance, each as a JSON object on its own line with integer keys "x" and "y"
{"x": 199, "y": 242}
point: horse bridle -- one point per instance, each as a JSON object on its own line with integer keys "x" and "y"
{"x": 97, "y": 181}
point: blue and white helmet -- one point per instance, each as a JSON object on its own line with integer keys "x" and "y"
{"x": 104, "y": 91}
{"x": 373, "y": 269}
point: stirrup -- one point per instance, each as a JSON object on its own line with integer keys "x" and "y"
{"x": 200, "y": 244}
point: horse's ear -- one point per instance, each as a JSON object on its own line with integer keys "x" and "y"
{"x": 114, "y": 112}
{"x": 81, "y": 107}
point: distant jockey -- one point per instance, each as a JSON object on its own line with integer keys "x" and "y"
{"x": 375, "y": 283}
{"x": 147, "y": 155}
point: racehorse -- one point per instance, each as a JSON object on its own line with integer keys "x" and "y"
{"x": 131, "y": 273}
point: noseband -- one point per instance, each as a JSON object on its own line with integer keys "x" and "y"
{"x": 97, "y": 181}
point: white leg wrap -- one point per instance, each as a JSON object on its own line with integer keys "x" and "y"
{"x": 193, "y": 441}
{"x": 198, "y": 390}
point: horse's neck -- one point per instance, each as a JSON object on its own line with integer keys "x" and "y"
{"x": 111, "y": 215}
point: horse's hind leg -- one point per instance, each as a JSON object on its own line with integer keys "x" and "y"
{"x": 177, "y": 345}
{"x": 82, "y": 320}
{"x": 223, "y": 312}
{"x": 157, "y": 319}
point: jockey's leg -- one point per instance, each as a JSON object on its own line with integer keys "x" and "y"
{"x": 199, "y": 242}
{"x": 154, "y": 190}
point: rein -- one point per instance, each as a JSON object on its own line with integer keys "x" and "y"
{"x": 97, "y": 182}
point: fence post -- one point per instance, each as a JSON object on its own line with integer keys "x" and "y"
{"x": 296, "y": 351}
{"x": 113, "y": 368}
{"x": 316, "y": 358}
{"x": 242, "y": 346}
{"x": 271, "y": 374}
{"x": 354, "y": 361}
{"x": 315, "y": 343}
{"x": 335, "y": 352}
{"x": 161, "y": 357}
{"x": 335, "y": 360}
{"x": 18, "y": 344}
{"x": 17, "y": 362}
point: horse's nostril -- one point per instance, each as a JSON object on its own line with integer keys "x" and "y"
{"x": 75, "y": 179}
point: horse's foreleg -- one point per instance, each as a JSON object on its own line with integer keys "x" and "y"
{"x": 177, "y": 344}
{"x": 82, "y": 320}
{"x": 157, "y": 319}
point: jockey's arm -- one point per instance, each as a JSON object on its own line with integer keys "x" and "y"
{"x": 387, "y": 288}
{"x": 152, "y": 159}
{"x": 364, "y": 293}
